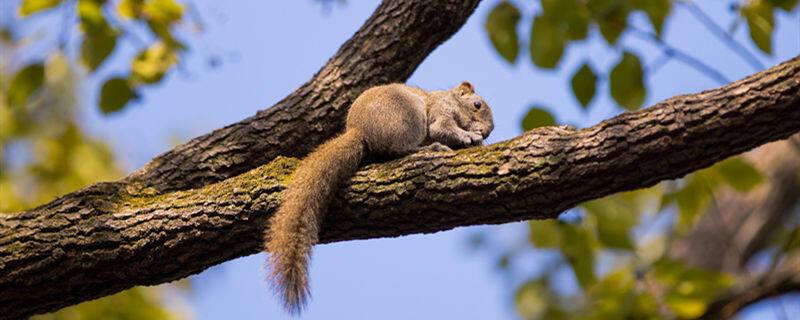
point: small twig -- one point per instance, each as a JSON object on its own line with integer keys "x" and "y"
{"x": 678, "y": 54}
{"x": 723, "y": 36}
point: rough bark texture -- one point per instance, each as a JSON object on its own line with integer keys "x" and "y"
{"x": 112, "y": 236}
{"x": 387, "y": 48}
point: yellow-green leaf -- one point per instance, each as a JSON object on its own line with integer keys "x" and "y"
{"x": 627, "y": 82}
{"x": 584, "y": 84}
{"x": 29, "y": 7}
{"x": 97, "y": 46}
{"x": 537, "y": 117}
{"x": 153, "y": 63}
{"x": 25, "y": 83}
{"x": 578, "y": 250}
{"x": 545, "y": 233}
{"x": 163, "y": 12}
{"x": 547, "y": 42}
{"x": 739, "y": 174}
{"x": 115, "y": 94}
{"x": 130, "y": 9}
{"x": 501, "y": 25}
{"x": 760, "y": 22}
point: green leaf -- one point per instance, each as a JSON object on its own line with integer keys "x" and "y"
{"x": 613, "y": 22}
{"x": 693, "y": 199}
{"x": 760, "y": 22}
{"x": 786, "y": 5}
{"x": 537, "y": 117}
{"x": 97, "y": 46}
{"x": 545, "y": 233}
{"x": 29, "y": 7}
{"x": 115, "y": 94}
{"x": 739, "y": 174}
{"x": 584, "y": 84}
{"x": 25, "y": 83}
{"x": 501, "y": 25}
{"x": 577, "y": 249}
{"x": 152, "y": 64}
{"x": 546, "y": 43}
{"x": 615, "y": 219}
{"x": 656, "y": 10}
{"x": 627, "y": 82}
{"x": 689, "y": 290}
{"x": 99, "y": 38}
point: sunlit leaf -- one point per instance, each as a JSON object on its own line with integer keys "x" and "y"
{"x": 612, "y": 297}
{"x": 547, "y": 43}
{"x": 532, "y": 299}
{"x": 153, "y": 63}
{"x": 627, "y": 82}
{"x": 130, "y": 9}
{"x": 90, "y": 13}
{"x": 584, "y": 84}
{"x": 25, "y": 82}
{"x": 760, "y": 22}
{"x": 29, "y": 7}
{"x": 115, "y": 94}
{"x": 545, "y": 233}
{"x": 739, "y": 174}
{"x": 537, "y": 117}
{"x": 163, "y": 12}
{"x": 501, "y": 25}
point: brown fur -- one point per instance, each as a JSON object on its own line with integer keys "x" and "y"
{"x": 393, "y": 119}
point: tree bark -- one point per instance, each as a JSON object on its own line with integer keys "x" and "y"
{"x": 112, "y": 236}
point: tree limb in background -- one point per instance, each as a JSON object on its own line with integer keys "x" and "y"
{"x": 733, "y": 230}
{"x": 110, "y": 237}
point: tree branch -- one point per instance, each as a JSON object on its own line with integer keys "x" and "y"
{"x": 110, "y": 237}
{"x": 387, "y": 48}
{"x": 784, "y": 280}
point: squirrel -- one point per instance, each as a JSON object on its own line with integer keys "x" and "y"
{"x": 386, "y": 120}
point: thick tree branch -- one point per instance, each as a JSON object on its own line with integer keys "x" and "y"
{"x": 110, "y": 237}
{"x": 387, "y": 48}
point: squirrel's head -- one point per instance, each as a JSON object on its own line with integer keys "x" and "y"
{"x": 479, "y": 111}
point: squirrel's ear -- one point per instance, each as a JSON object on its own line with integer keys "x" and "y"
{"x": 465, "y": 88}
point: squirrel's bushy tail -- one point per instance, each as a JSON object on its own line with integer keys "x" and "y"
{"x": 295, "y": 227}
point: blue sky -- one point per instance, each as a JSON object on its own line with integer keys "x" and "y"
{"x": 270, "y": 48}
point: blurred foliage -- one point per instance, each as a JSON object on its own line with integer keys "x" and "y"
{"x": 615, "y": 248}
{"x": 45, "y": 154}
{"x": 146, "y": 25}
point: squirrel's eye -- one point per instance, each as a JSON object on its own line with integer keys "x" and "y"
{"x": 477, "y": 104}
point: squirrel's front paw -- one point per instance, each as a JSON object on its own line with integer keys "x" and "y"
{"x": 469, "y": 139}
